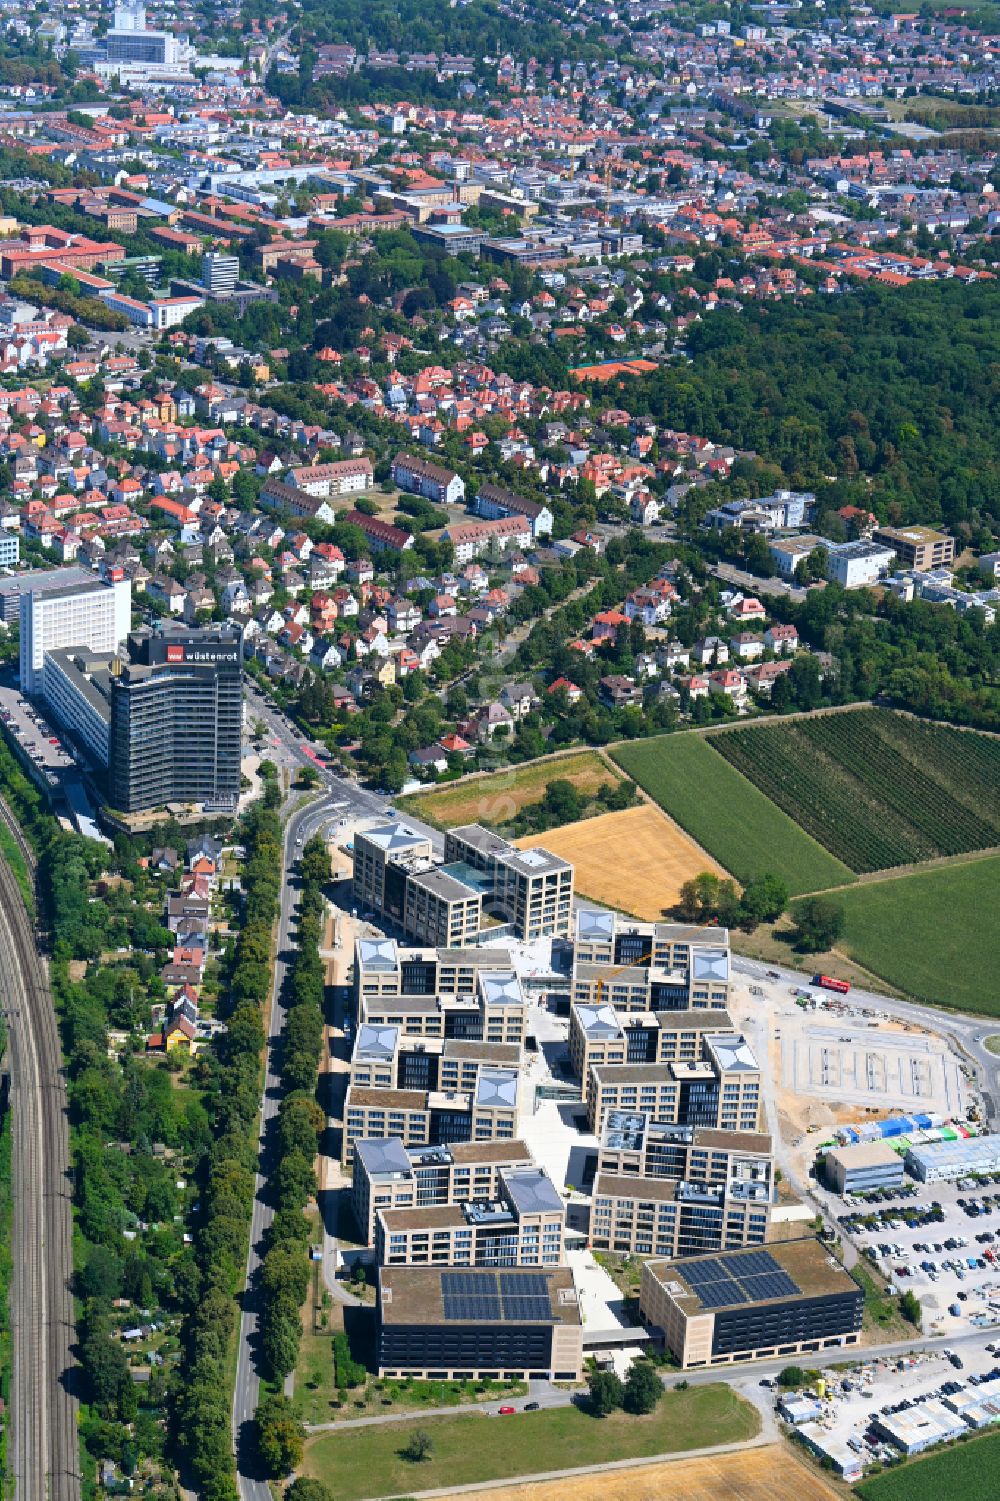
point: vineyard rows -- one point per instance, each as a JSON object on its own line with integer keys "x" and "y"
{"x": 876, "y": 788}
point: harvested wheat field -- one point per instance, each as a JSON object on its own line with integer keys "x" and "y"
{"x": 636, "y": 860}
{"x": 765, "y": 1474}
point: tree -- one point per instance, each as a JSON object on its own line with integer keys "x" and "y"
{"x": 280, "y": 1435}
{"x": 308, "y": 776}
{"x": 792, "y": 1375}
{"x": 819, "y": 921}
{"x": 304, "y": 1489}
{"x": 606, "y": 1393}
{"x": 643, "y": 1387}
{"x": 418, "y": 1446}
{"x": 909, "y": 1307}
{"x": 764, "y": 899}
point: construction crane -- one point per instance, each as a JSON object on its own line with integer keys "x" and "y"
{"x": 620, "y": 970}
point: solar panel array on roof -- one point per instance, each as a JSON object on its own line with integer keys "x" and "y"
{"x": 492, "y": 1297}
{"x": 720, "y": 1281}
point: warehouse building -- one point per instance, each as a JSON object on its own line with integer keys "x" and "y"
{"x": 791, "y": 1299}
{"x": 932, "y": 1161}
{"x": 445, "y": 1324}
{"x": 856, "y": 1169}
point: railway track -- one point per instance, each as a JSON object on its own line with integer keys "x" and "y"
{"x": 43, "y": 1449}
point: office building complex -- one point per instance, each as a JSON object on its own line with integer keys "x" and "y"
{"x": 177, "y": 721}
{"x": 162, "y": 722}
{"x": 791, "y": 1299}
{"x": 87, "y": 611}
{"x": 485, "y": 1110}
{"x": 719, "y": 1089}
{"x": 438, "y": 993}
{"x": 600, "y": 1036}
{"x": 648, "y": 966}
{"x": 483, "y": 882}
{"x": 129, "y": 41}
{"x": 663, "y": 1190}
{"x": 388, "y": 1175}
{"x": 522, "y": 1225}
{"x": 450, "y": 1324}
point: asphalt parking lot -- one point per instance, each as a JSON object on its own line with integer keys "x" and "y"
{"x": 932, "y": 1260}
{"x": 34, "y": 733}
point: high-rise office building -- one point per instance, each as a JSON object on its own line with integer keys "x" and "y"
{"x": 176, "y": 720}
{"x": 94, "y": 613}
{"x": 220, "y": 273}
{"x": 130, "y": 42}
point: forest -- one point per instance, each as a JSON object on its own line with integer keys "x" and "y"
{"x": 895, "y": 392}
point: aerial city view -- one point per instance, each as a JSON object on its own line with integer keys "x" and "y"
{"x": 499, "y": 750}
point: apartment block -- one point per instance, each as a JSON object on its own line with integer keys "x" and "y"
{"x": 522, "y": 1225}
{"x": 388, "y": 1175}
{"x": 721, "y": 1089}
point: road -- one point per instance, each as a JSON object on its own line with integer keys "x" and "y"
{"x": 749, "y": 581}
{"x": 42, "y": 1447}
{"x": 300, "y": 827}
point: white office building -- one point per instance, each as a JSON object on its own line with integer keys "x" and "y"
{"x": 95, "y": 615}
{"x": 857, "y": 565}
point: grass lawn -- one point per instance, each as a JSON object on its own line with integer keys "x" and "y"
{"x": 470, "y": 1448}
{"x": 934, "y": 934}
{"x": 499, "y": 796}
{"x": 727, "y": 814}
{"x": 967, "y": 1472}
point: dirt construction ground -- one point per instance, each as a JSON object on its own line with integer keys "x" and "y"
{"x": 765, "y": 1474}
{"x": 636, "y": 860}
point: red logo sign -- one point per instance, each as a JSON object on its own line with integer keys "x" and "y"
{"x": 175, "y": 654}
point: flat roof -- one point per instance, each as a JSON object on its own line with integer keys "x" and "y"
{"x": 448, "y": 887}
{"x": 415, "y": 1295}
{"x": 42, "y": 580}
{"x": 806, "y": 1265}
{"x": 630, "y": 1186}
{"x": 499, "y": 1053}
{"x": 965, "y": 1150}
{"x": 388, "y": 1099}
{"x": 864, "y": 1154}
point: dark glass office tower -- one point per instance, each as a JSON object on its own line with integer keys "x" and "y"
{"x": 176, "y": 720}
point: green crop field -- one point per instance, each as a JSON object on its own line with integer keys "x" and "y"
{"x": 965, "y": 1473}
{"x": 470, "y": 1448}
{"x": 726, "y": 813}
{"x": 876, "y": 788}
{"x": 934, "y": 934}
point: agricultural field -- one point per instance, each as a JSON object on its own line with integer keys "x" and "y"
{"x": 967, "y": 1472}
{"x": 636, "y": 859}
{"x": 876, "y": 788}
{"x": 769, "y": 1473}
{"x": 727, "y": 814}
{"x": 498, "y": 796}
{"x": 470, "y": 1448}
{"x": 933, "y": 934}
